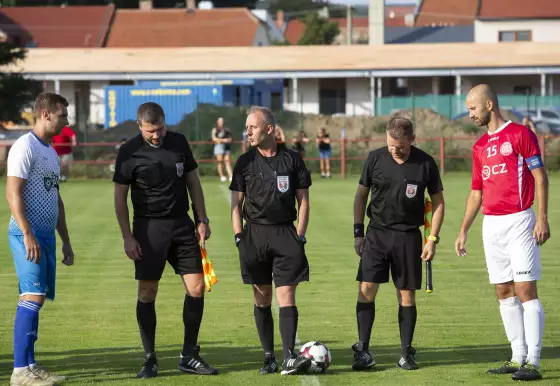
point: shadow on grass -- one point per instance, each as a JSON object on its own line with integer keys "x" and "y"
{"x": 121, "y": 363}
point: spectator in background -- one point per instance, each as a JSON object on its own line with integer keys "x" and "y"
{"x": 63, "y": 144}
{"x": 222, "y": 148}
{"x": 527, "y": 122}
{"x": 325, "y": 152}
{"x": 279, "y": 135}
{"x": 299, "y": 143}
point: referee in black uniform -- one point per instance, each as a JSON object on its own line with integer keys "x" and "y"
{"x": 397, "y": 176}
{"x": 267, "y": 181}
{"x": 158, "y": 167}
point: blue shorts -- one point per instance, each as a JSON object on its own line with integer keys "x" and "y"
{"x": 221, "y": 149}
{"x": 323, "y": 154}
{"x": 35, "y": 279}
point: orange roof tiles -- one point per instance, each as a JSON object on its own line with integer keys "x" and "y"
{"x": 219, "y": 27}
{"x": 57, "y": 27}
{"x": 294, "y": 30}
{"x": 446, "y": 12}
{"x": 519, "y": 9}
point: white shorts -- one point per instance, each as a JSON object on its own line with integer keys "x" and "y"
{"x": 511, "y": 251}
{"x": 67, "y": 158}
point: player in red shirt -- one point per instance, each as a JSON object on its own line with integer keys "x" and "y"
{"x": 63, "y": 144}
{"x": 507, "y": 170}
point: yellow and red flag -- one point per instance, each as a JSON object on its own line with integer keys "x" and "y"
{"x": 209, "y": 275}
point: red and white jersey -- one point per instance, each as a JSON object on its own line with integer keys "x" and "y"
{"x": 501, "y": 168}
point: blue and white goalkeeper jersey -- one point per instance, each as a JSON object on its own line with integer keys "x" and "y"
{"x": 37, "y": 162}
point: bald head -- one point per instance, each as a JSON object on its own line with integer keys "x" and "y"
{"x": 482, "y": 102}
{"x": 482, "y": 93}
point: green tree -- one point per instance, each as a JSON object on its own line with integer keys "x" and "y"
{"x": 15, "y": 90}
{"x": 318, "y": 31}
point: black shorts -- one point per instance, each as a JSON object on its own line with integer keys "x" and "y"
{"x": 268, "y": 252}
{"x": 162, "y": 240}
{"x": 397, "y": 251}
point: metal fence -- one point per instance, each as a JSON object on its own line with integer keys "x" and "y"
{"x": 97, "y": 160}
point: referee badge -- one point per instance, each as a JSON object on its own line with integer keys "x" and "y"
{"x": 180, "y": 169}
{"x": 411, "y": 190}
{"x": 283, "y": 183}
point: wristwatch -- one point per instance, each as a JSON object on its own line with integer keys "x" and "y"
{"x": 435, "y": 239}
{"x": 205, "y": 220}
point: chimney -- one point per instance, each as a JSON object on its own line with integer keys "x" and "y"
{"x": 191, "y": 4}
{"x": 349, "y": 27}
{"x": 145, "y": 5}
{"x": 376, "y": 24}
{"x": 280, "y": 19}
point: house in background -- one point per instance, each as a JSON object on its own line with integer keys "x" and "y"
{"x": 518, "y": 20}
{"x": 63, "y": 27}
{"x": 184, "y": 27}
{"x": 445, "y": 13}
{"x": 56, "y": 27}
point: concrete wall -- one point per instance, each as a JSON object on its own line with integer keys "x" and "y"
{"x": 67, "y": 90}
{"x": 358, "y": 100}
{"x": 507, "y": 83}
{"x": 97, "y": 103}
{"x": 541, "y": 30}
{"x": 308, "y": 96}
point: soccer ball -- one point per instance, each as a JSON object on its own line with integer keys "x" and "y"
{"x": 319, "y": 354}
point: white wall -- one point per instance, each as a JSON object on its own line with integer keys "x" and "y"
{"x": 358, "y": 101}
{"x": 504, "y": 84}
{"x": 97, "y": 103}
{"x": 67, "y": 90}
{"x": 542, "y": 30}
{"x": 308, "y": 96}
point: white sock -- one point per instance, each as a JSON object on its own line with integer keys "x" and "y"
{"x": 512, "y": 317}
{"x": 19, "y": 370}
{"x": 534, "y": 329}
{"x": 32, "y": 365}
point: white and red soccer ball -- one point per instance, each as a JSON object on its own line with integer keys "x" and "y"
{"x": 319, "y": 354}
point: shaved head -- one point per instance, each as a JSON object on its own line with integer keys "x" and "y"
{"x": 482, "y": 103}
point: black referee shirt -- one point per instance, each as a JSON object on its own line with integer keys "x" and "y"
{"x": 270, "y": 184}
{"x": 157, "y": 176}
{"x": 397, "y": 191}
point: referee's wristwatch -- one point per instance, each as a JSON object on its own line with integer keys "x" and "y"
{"x": 435, "y": 239}
{"x": 205, "y": 220}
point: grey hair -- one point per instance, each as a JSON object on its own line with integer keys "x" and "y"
{"x": 265, "y": 112}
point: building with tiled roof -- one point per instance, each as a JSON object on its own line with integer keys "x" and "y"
{"x": 219, "y": 27}
{"x": 518, "y": 20}
{"x": 443, "y": 13}
{"x": 56, "y": 27}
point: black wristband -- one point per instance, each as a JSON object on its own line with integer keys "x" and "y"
{"x": 358, "y": 230}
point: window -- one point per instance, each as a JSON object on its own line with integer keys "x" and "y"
{"x": 515, "y": 36}
{"x": 522, "y": 90}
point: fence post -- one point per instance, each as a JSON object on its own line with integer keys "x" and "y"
{"x": 541, "y": 145}
{"x": 343, "y": 153}
{"x": 442, "y": 155}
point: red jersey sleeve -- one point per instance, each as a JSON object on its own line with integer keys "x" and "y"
{"x": 476, "y": 183}
{"x": 528, "y": 148}
{"x": 67, "y": 131}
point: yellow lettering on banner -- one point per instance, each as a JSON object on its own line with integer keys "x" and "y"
{"x": 179, "y": 83}
{"x": 112, "y": 108}
{"x": 161, "y": 92}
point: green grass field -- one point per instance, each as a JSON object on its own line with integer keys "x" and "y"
{"x": 90, "y": 333}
